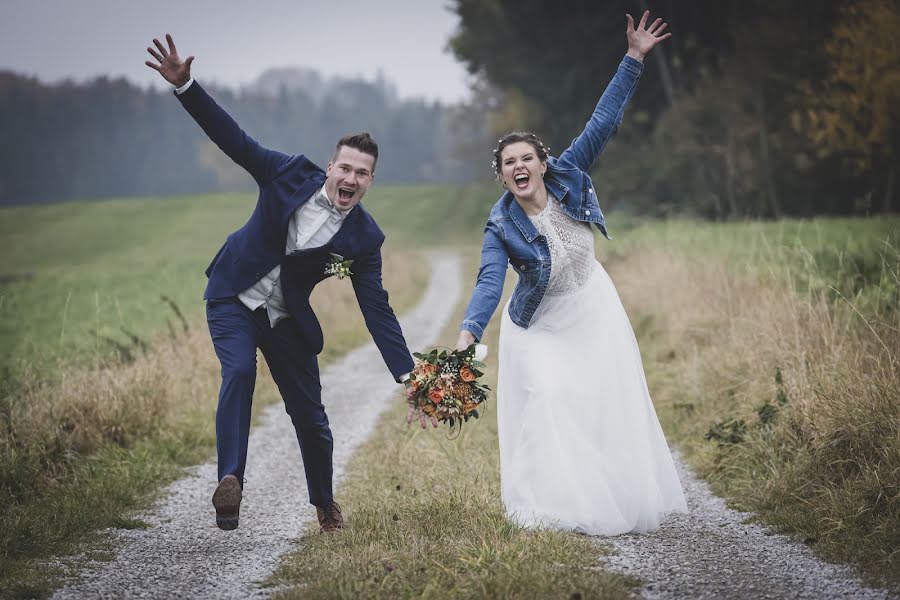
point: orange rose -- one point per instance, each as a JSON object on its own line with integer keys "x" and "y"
{"x": 466, "y": 374}
{"x": 428, "y": 368}
{"x": 414, "y": 384}
{"x": 436, "y": 394}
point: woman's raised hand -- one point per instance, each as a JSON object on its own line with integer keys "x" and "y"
{"x": 642, "y": 40}
{"x": 171, "y": 67}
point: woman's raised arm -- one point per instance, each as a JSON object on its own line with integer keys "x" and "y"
{"x": 607, "y": 116}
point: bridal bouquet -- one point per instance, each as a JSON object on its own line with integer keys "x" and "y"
{"x": 445, "y": 386}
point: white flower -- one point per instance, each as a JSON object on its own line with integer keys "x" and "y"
{"x": 338, "y": 266}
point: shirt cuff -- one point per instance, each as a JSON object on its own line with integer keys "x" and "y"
{"x": 632, "y": 64}
{"x": 403, "y": 378}
{"x": 473, "y": 328}
{"x": 182, "y": 89}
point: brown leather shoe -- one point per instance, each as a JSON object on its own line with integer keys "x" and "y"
{"x": 227, "y": 500}
{"x": 330, "y": 518}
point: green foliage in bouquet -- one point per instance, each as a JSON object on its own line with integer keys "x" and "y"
{"x": 444, "y": 385}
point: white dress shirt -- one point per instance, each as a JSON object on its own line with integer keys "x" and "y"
{"x": 312, "y": 225}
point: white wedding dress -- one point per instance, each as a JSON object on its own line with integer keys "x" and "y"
{"x": 580, "y": 446}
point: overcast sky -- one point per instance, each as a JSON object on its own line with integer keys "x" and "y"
{"x": 234, "y": 41}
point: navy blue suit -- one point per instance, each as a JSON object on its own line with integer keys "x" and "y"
{"x": 291, "y": 347}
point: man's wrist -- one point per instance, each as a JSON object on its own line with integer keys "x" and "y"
{"x": 181, "y": 88}
{"x": 635, "y": 55}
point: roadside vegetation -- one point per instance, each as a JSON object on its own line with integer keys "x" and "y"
{"x": 105, "y": 403}
{"x": 773, "y": 355}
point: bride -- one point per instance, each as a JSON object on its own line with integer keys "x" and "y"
{"x": 580, "y": 445}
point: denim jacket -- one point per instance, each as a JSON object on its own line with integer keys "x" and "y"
{"x": 510, "y": 237}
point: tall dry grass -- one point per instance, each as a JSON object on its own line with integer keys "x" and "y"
{"x": 46, "y": 427}
{"x": 785, "y": 395}
{"x": 77, "y": 453}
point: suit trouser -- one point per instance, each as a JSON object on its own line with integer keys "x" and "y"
{"x": 236, "y": 333}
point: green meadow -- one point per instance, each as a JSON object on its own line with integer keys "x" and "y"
{"x": 85, "y": 281}
{"x": 109, "y": 382}
{"x": 771, "y": 350}
{"x": 853, "y": 255}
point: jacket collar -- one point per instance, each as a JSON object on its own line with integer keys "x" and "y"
{"x": 556, "y": 174}
{"x": 554, "y": 190}
{"x": 519, "y": 217}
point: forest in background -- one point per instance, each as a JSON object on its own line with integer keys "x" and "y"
{"x": 109, "y": 138}
{"x": 752, "y": 109}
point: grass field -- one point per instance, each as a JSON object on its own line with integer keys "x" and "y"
{"x": 108, "y": 388}
{"x": 85, "y": 281}
{"x": 82, "y": 279}
{"x": 773, "y": 355}
{"x": 771, "y": 351}
{"x": 854, "y": 256}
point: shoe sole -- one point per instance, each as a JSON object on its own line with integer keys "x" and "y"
{"x": 227, "y": 502}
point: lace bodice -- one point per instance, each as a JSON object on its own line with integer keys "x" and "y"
{"x": 571, "y": 248}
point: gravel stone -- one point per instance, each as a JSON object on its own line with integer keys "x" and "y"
{"x": 184, "y": 555}
{"x": 711, "y": 552}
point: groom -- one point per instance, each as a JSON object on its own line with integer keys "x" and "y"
{"x": 261, "y": 279}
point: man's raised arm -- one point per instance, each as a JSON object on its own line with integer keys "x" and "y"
{"x": 260, "y": 162}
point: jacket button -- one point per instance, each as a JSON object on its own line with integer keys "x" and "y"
{"x": 522, "y": 267}
{"x": 587, "y": 212}
{"x": 591, "y": 190}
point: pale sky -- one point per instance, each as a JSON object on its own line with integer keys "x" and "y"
{"x": 234, "y": 41}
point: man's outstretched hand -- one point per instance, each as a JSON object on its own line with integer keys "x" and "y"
{"x": 171, "y": 67}
{"x": 642, "y": 39}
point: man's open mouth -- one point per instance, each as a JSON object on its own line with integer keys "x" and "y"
{"x": 521, "y": 181}
{"x": 345, "y": 194}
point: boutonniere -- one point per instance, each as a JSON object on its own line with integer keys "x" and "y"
{"x": 338, "y": 266}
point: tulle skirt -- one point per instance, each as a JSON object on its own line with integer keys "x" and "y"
{"x": 580, "y": 445}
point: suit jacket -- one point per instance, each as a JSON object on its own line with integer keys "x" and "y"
{"x": 286, "y": 183}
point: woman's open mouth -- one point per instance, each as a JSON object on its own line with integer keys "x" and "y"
{"x": 522, "y": 181}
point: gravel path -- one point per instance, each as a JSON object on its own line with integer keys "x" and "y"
{"x": 710, "y": 553}
{"x": 184, "y": 555}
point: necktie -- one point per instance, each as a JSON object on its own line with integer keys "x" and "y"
{"x": 324, "y": 202}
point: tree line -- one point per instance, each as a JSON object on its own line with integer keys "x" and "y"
{"x": 109, "y": 138}
{"x": 753, "y": 108}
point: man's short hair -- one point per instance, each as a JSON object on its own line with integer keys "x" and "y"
{"x": 360, "y": 141}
